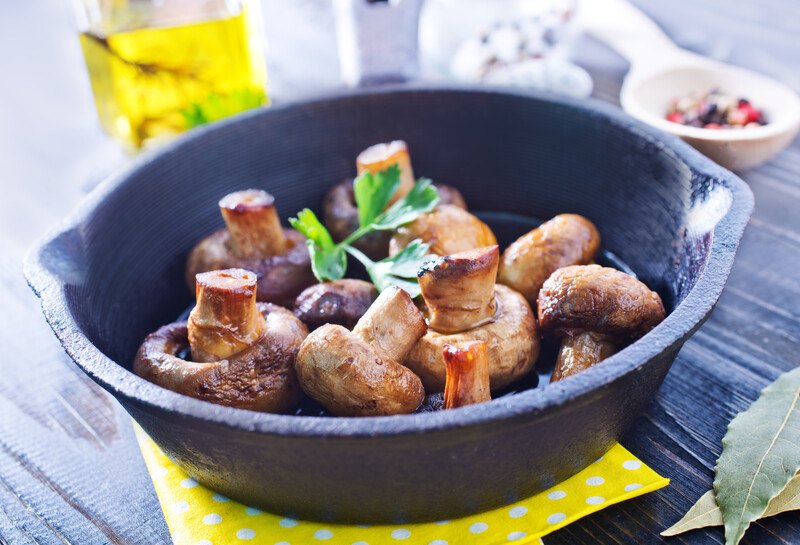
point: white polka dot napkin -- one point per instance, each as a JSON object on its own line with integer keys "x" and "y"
{"x": 199, "y": 516}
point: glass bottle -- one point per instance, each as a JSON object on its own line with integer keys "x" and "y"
{"x": 159, "y": 67}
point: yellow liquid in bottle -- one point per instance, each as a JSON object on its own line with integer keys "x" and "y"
{"x": 155, "y": 82}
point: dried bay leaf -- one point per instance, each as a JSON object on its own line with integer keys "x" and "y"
{"x": 706, "y": 512}
{"x": 760, "y": 455}
{"x": 787, "y": 500}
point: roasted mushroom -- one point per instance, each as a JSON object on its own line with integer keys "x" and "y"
{"x": 447, "y": 230}
{"x": 341, "y": 302}
{"x": 567, "y": 239}
{"x": 254, "y": 240}
{"x": 341, "y": 213}
{"x": 242, "y": 352}
{"x": 595, "y": 309}
{"x": 360, "y": 373}
{"x": 463, "y": 303}
{"x": 467, "y": 379}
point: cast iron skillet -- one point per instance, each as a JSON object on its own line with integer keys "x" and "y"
{"x": 113, "y": 273}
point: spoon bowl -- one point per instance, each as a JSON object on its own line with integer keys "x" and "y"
{"x": 660, "y": 71}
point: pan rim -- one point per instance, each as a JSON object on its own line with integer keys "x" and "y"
{"x": 681, "y": 323}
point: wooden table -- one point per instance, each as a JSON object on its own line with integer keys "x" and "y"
{"x": 70, "y": 470}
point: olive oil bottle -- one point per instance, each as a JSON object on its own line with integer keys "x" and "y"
{"x": 156, "y": 81}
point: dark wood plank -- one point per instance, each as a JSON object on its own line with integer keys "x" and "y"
{"x": 753, "y": 334}
{"x": 70, "y": 470}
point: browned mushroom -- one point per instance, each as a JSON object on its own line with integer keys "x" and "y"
{"x": 462, "y": 299}
{"x": 341, "y": 302}
{"x": 567, "y": 239}
{"x": 255, "y": 240}
{"x": 595, "y": 309}
{"x": 447, "y": 230}
{"x": 360, "y": 373}
{"x": 341, "y": 213}
{"x": 243, "y": 352}
{"x": 467, "y": 380}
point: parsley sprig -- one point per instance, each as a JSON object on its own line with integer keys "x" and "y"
{"x": 398, "y": 270}
{"x": 372, "y": 192}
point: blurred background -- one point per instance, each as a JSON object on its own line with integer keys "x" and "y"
{"x": 49, "y": 126}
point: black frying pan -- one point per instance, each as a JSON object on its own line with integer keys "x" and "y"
{"x": 114, "y": 272}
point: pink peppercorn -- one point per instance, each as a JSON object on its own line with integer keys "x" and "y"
{"x": 714, "y": 110}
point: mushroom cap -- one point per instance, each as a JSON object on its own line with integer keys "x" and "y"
{"x": 347, "y": 376}
{"x": 260, "y": 377}
{"x": 448, "y": 230}
{"x": 341, "y": 302}
{"x": 341, "y": 217}
{"x": 450, "y": 195}
{"x": 512, "y": 342}
{"x": 281, "y": 277}
{"x": 600, "y": 299}
{"x": 567, "y": 239}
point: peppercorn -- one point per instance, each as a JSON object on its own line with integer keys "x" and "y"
{"x": 714, "y": 110}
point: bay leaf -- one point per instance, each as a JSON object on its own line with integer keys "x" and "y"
{"x": 760, "y": 455}
{"x": 706, "y": 512}
{"x": 787, "y": 500}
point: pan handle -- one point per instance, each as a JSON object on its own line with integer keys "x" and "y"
{"x": 378, "y": 40}
{"x": 54, "y": 261}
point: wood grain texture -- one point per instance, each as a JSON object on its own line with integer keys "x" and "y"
{"x": 70, "y": 470}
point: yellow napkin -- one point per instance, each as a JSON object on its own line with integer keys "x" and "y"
{"x": 198, "y": 516}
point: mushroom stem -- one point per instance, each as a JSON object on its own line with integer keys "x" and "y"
{"x": 459, "y": 289}
{"x": 467, "y": 379}
{"x": 253, "y": 224}
{"x": 226, "y": 319}
{"x": 392, "y": 324}
{"x": 580, "y": 352}
{"x": 381, "y": 156}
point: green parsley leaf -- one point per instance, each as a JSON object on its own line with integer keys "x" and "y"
{"x": 328, "y": 260}
{"x": 327, "y": 264}
{"x": 398, "y": 270}
{"x": 420, "y": 200}
{"x": 307, "y": 223}
{"x": 406, "y": 262}
{"x": 372, "y": 193}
